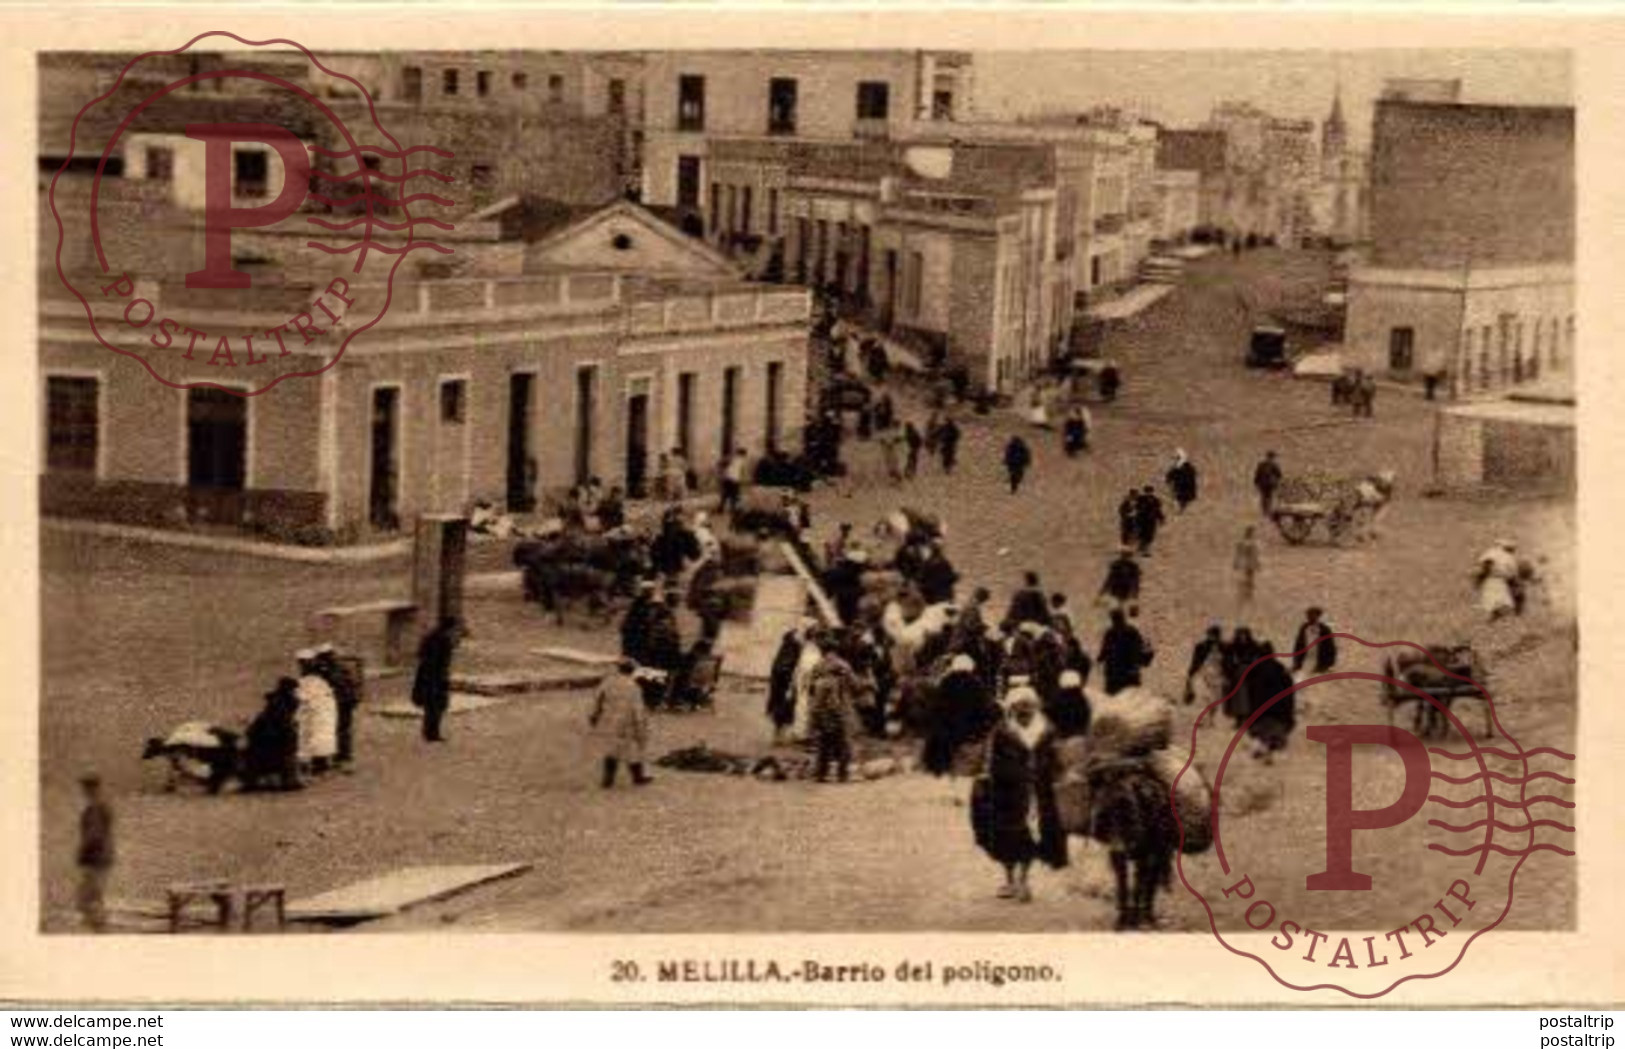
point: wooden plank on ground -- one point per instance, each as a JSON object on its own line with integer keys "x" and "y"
{"x": 577, "y": 655}
{"x": 399, "y": 890}
{"x": 461, "y": 703}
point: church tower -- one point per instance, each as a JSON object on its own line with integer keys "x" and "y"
{"x": 1334, "y": 134}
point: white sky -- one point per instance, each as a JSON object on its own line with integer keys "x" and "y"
{"x": 1180, "y": 87}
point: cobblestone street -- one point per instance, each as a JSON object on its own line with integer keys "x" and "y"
{"x": 138, "y": 638}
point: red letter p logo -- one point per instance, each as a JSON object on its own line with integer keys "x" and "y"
{"x": 219, "y": 216}
{"x": 1342, "y": 818}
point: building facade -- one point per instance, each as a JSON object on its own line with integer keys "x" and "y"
{"x": 1471, "y": 269}
{"x": 511, "y": 374}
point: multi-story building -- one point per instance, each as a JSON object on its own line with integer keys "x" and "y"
{"x": 1178, "y": 198}
{"x": 695, "y": 99}
{"x": 1202, "y": 151}
{"x": 554, "y": 344}
{"x": 1471, "y": 268}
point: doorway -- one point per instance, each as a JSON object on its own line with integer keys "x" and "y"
{"x": 384, "y": 483}
{"x": 216, "y": 454}
{"x": 637, "y": 441}
{"x": 586, "y": 412}
{"x": 521, "y": 457}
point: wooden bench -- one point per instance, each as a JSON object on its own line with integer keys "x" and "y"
{"x": 219, "y": 893}
{"x": 399, "y": 618}
{"x": 228, "y": 901}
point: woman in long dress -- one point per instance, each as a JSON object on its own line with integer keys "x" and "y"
{"x": 1205, "y": 680}
{"x": 1496, "y": 576}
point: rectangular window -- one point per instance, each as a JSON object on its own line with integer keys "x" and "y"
{"x": 480, "y": 176}
{"x": 773, "y": 212}
{"x": 685, "y": 413}
{"x": 690, "y": 103}
{"x": 745, "y": 203}
{"x": 448, "y": 82}
{"x": 874, "y": 100}
{"x": 482, "y": 83}
{"x": 453, "y": 400}
{"x": 555, "y": 88}
{"x": 781, "y": 106}
{"x": 1484, "y": 339}
{"x": 803, "y": 247}
{"x": 730, "y": 210}
{"x": 160, "y": 163}
{"x": 72, "y": 424}
{"x": 616, "y": 101}
{"x": 253, "y": 173}
{"x": 942, "y": 105}
{"x": 688, "y": 183}
{"x": 775, "y": 388}
{"x": 412, "y": 83}
{"x": 715, "y": 216}
{"x": 521, "y": 82}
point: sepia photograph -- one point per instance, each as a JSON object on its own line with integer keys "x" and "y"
{"x": 777, "y": 491}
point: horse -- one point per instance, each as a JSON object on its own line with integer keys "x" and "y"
{"x": 1130, "y": 814}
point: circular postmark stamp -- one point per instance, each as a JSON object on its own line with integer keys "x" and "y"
{"x": 1396, "y": 840}
{"x": 234, "y": 219}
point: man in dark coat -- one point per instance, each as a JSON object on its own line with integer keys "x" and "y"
{"x": 781, "y": 693}
{"x": 1068, "y": 710}
{"x": 1273, "y": 727}
{"x": 271, "y": 756}
{"x": 1122, "y": 582}
{"x": 948, "y": 444}
{"x": 635, "y": 624}
{"x": 844, "y": 583}
{"x": 970, "y": 627}
{"x": 663, "y": 642}
{"x": 1148, "y": 517}
{"x": 95, "y": 854}
{"x": 1182, "y": 481}
{"x": 1128, "y": 526}
{"x": 1267, "y": 478}
{"x": 1017, "y": 458}
{"x": 1124, "y": 653}
{"x": 1028, "y": 605}
{"x": 963, "y": 710}
{"x": 431, "y": 688}
{"x": 674, "y": 547}
{"x": 936, "y": 576}
{"x": 1324, "y": 654}
{"x": 1023, "y": 765}
{"x": 913, "y": 441}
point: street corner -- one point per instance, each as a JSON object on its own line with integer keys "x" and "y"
{"x": 1408, "y": 841}
{"x": 308, "y": 208}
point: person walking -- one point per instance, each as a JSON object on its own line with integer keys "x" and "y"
{"x": 1267, "y": 479}
{"x": 912, "y": 442}
{"x": 1124, "y": 653}
{"x": 1246, "y": 563}
{"x": 1028, "y": 605}
{"x": 1122, "y": 583}
{"x": 1182, "y": 480}
{"x": 1205, "y": 679}
{"x": 948, "y": 444}
{"x": 781, "y": 693}
{"x": 1148, "y": 518}
{"x": 1017, "y": 458}
{"x": 1128, "y": 528}
{"x": 95, "y": 854}
{"x": 431, "y": 687}
{"x": 1313, "y": 646}
{"x": 1016, "y": 819}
